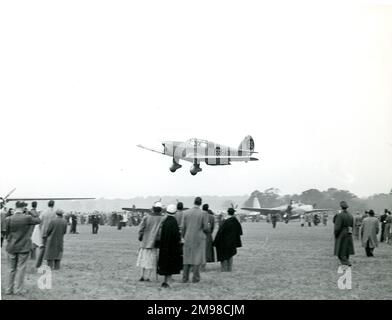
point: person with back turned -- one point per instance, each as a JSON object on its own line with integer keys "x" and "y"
{"x": 170, "y": 255}
{"x": 357, "y": 225}
{"x": 388, "y": 228}
{"x": 274, "y": 219}
{"x": 17, "y": 229}
{"x": 210, "y": 256}
{"x": 383, "y": 221}
{"x": 227, "y": 240}
{"x": 45, "y": 217}
{"x": 95, "y": 218}
{"x": 148, "y": 237}
{"x": 3, "y": 212}
{"x": 194, "y": 229}
{"x": 343, "y": 231}
{"x": 53, "y": 238}
{"x": 369, "y": 230}
{"x": 74, "y": 223}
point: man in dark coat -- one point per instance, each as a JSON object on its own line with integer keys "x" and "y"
{"x": 383, "y": 221}
{"x": 17, "y": 230}
{"x": 95, "y": 222}
{"x": 227, "y": 240}
{"x": 74, "y": 223}
{"x": 210, "y": 256}
{"x": 170, "y": 253}
{"x": 54, "y": 240}
{"x": 119, "y": 221}
{"x": 343, "y": 229}
{"x": 274, "y": 219}
{"x": 357, "y": 225}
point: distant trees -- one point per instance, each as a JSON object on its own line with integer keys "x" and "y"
{"x": 312, "y": 196}
{"x": 379, "y": 202}
{"x": 329, "y": 198}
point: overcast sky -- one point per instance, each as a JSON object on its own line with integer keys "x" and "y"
{"x": 83, "y": 82}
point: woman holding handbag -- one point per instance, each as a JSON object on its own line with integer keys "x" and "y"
{"x": 148, "y": 233}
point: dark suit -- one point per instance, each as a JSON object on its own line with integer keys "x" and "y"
{"x": 54, "y": 242}
{"x": 383, "y": 219}
{"x": 3, "y": 215}
{"x": 18, "y": 247}
{"x": 74, "y": 222}
{"x": 344, "y": 245}
{"x": 95, "y": 223}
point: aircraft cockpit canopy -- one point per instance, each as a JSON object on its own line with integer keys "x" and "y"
{"x": 198, "y": 142}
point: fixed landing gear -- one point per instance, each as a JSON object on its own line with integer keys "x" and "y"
{"x": 175, "y": 166}
{"x": 195, "y": 169}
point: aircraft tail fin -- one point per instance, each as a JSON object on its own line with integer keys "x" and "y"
{"x": 247, "y": 145}
{"x": 256, "y": 203}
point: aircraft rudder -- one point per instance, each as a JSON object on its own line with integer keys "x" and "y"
{"x": 248, "y": 144}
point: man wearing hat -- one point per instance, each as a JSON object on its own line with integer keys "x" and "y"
{"x": 95, "y": 218}
{"x": 170, "y": 256}
{"x": 383, "y": 221}
{"x": 180, "y": 214}
{"x": 369, "y": 230}
{"x": 227, "y": 240}
{"x": 343, "y": 231}
{"x": 17, "y": 228}
{"x": 46, "y": 217}
{"x": 53, "y": 238}
{"x": 194, "y": 228}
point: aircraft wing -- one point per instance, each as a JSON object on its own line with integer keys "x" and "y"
{"x": 263, "y": 211}
{"x": 319, "y": 210}
{"x": 143, "y": 210}
{"x": 237, "y": 158}
{"x": 149, "y": 149}
{"x": 41, "y": 199}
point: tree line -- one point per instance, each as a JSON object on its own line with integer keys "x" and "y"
{"x": 329, "y": 198}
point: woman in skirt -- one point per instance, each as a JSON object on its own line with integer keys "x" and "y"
{"x": 148, "y": 233}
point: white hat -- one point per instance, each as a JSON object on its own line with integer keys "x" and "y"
{"x": 158, "y": 204}
{"x": 171, "y": 208}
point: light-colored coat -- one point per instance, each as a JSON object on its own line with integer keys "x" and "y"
{"x": 194, "y": 228}
{"x": 369, "y": 230}
{"x": 3, "y": 213}
{"x": 36, "y": 237}
{"x": 46, "y": 217}
{"x": 148, "y": 231}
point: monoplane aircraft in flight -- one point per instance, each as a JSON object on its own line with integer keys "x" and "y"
{"x": 198, "y": 150}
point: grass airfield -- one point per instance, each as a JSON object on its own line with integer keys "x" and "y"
{"x": 289, "y": 262}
